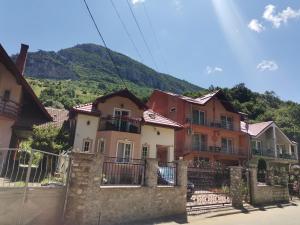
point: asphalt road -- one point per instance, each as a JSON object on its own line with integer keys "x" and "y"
{"x": 271, "y": 215}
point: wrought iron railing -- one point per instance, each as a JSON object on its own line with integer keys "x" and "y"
{"x": 32, "y": 168}
{"x": 216, "y": 149}
{"x": 122, "y": 124}
{"x": 271, "y": 153}
{"x": 167, "y": 174}
{"x": 264, "y": 152}
{"x": 218, "y": 124}
{"x": 9, "y": 108}
{"x": 123, "y": 171}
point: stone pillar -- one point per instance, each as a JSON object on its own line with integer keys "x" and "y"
{"x": 182, "y": 173}
{"x": 151, "y": 172}
{"x": 86, "y": 174}
{"x": 253, "y": 184}
{"x": 236, "y": 185}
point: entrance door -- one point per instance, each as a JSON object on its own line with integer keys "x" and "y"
{"x": 162, "y": 154}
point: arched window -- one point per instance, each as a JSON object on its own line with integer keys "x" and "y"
{"x": 261, "y": 171}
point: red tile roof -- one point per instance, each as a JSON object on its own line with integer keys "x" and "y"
{"x": 152, "y": 117}
{"x": 85, "y": 109}
{"x": 256, "y": 128}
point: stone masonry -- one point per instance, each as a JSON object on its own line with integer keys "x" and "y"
{"x": 236, "y": 187}
{"x": 266, "y": 194}
{"x": 88, "y": 203}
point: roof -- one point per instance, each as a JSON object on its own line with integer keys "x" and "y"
{"x": 256, "y": 128}
{"x": 123, "y": 93}
{"x": 11, "y": 66}
{"x": 151, "y": 117}
{"x": 203, "y": 100}
{"x": 87, "y": 108}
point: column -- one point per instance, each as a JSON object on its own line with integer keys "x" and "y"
{"x": 253, "y": 184}
{"x": 151, "y": 172}
{"x": 275, "y": 141}
{"x": 182, "y": 173}
{"x": 236, "y": 186}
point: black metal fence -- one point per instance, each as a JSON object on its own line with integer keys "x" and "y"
{"x": 167, "y": 174}
{"x": 119, "y": 171}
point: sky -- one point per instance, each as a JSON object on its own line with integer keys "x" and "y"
{"x": 206, "y": 42}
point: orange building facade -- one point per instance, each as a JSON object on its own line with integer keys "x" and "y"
{"x": 212, "y": 131}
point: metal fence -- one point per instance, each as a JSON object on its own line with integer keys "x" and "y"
{"x": 32, "y": 168}
{"x": 123, "y": 171}
{"x": 167, "y": 174}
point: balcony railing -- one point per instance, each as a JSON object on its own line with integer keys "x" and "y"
{"x": 216, "y": 149}
{"x": 271, "y": 153}
{"x": 122, "y": 124}
{"x": 218, "y": 124}
{"x": 9, "y": 108}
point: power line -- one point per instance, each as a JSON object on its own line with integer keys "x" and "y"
{"x": 106, "y": 48}
{"x": 154, "y": 34}
{"x": 126, "y": 30}
{"x": 142, "y": 34}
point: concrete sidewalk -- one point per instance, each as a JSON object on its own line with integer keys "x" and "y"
{"x": 284, "y": 214}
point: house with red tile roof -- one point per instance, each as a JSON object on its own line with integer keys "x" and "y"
{"x": 211, "y": 132}
{"x": 269, "y": 142}
{"x": 121, "y": 126}
{"x": 20, "y": 108}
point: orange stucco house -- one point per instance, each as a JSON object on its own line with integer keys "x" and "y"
{"x": 211, "y": 131}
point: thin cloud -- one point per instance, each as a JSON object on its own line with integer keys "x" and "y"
{"x": 178, "y": 5}
{"x": 212, "y": 70}
{"x": 267, "y": 65}
{"x": 134, "y": 2}
{"x": 281, "y": 17}
{"x": 256, "y": 26}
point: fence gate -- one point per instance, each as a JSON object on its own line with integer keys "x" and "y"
{"x": 211, "y": 187}
{"x": 32, "y": 186}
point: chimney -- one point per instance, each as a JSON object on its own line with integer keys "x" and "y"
{"x": 21, "y": 60}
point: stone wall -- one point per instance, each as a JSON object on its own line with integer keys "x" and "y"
{"x": 89, "y": 203}
{"x": 262, "y": 194}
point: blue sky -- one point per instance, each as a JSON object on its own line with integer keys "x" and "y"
{"x": 205, "y": 42}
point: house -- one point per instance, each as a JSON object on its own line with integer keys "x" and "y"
{"x": 268, "y": 142}
{"x": 20, "y": 108}
{"x": 211, "y": 131}
{"x": 121, "y": 126}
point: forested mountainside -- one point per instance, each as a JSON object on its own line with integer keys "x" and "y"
{"x": 80, "y": 73}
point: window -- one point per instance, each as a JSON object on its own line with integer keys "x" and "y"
{"x": 227, "y": 122}
{"x": 199, "y": 142}
{"x": 145, "y": 151}
{"x": 101, "y": 145}
{"x": 281, "y": 149}
{"x": 227, "y": 145}
{"x": 293, "y": 149}
{"x": 87, "y": 144}
{"x": 121, "y": 123}
{"x": 256, "y": 145}
{"x": 198, "y": 117}
{"x": 124, "y": 151}
{"x": 6, "y": 95}
{"x": 173, "y": 109}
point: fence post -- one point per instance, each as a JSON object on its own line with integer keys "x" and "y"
{"x": 181, "y": 173}
{"x": 151, "y": 172}
{"x": 253, "y": 184}
{"x": 236, "y": 186}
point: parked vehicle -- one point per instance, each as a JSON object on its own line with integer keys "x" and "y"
{"x": 166, "y": 176}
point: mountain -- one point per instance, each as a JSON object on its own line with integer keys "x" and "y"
{"x": 81, "y": 73}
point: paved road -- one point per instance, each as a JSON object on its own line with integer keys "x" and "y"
{"x": 273, "y": 215}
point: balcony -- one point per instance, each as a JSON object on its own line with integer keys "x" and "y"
{"x": 216, "y": 149}
{"x": 121, "y": 124}
{"x": 9, "y": 108}
{"x": 271, "y": 153}
{"x": 218, "y": 124}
